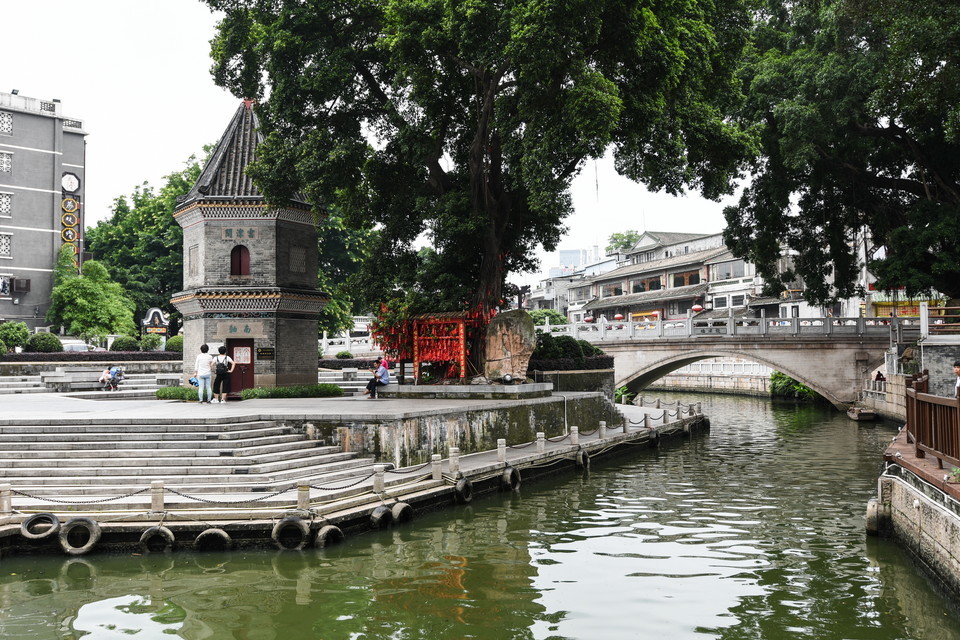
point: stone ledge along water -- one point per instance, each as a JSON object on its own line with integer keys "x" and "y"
{"x": 257, "y": 474}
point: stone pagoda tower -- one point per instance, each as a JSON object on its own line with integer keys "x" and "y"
{"x": 249, "y": 269}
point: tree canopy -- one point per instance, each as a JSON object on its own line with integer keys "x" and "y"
{"x": 463, "y": 123}
{"x": 857, "y": 109}
{"x": 142, "y": 245}
{"x": 90, "y": 305}
{"x": 622, "y": 241}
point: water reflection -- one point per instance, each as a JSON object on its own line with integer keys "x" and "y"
{"x": 753, "y": 531}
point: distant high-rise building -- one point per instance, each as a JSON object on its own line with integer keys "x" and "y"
{"x": 42, "y": 181}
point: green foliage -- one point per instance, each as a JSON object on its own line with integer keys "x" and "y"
{"x": 44, "y": 343}
{"x": 150, "y": 342}
{"x": 125, "y": 343}
{"x": 185, "y": 394}
{"x": 622, "y": 242}
{"x": 856, "y": 109}
{"x": 91, "y": 304}
{"x": 540, "y": 316}
{"x": 783, "y": 386}
{"x": 297, "y": 391}
{"x": 344, "y": 355}
{"x": 174, "y": 343}
{"x": 142, "y": 245}
{"x": 483, "y": 114}
{"x": 14, "y": 334}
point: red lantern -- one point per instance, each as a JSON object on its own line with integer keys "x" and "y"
{"x": 696, "y": 308}
{"x": 619, "y": 316}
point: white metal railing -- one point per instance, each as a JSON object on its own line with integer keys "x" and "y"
{"x": 603, "y": 330}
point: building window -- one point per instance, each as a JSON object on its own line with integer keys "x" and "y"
{"x": 727, "y": 270}
{"x": 6, "y": 245}
{"x": 6, "y": 162}
{"x": 6, "y": 204}
{"x": 686, "y": 278}
{"x": 240, "y": 261}
{"x": 611, "y": 290}
{"x": 736, "y": 301}
{"x": 6, "y": 122}
{"x": 298, "y": 260}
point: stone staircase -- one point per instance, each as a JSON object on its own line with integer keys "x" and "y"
{"x": 21, "y": 384}
{"x": 54, "y": 466}
{"x": 351, "y": 381}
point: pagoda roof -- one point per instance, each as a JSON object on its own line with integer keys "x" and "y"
{"x": 224, "y": 178}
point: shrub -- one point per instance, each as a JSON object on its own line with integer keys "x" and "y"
{"x": 14, "y": 334}
{"x": 44, "y": 343}
{"x": 174, "y": 344}
{"x": 150, "y": 342}
{"x": 783, "y": 386}
{"x": 125, "y": 343}
{"x": 3, "y": 347}
{"x": 297, "y": 391}
{"x": 344, "y": 355}
{"x": 177, "y": 393}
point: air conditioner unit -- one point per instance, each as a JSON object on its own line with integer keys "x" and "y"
{"x": 20, "y": 285}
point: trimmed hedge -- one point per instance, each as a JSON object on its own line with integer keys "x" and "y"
{"x": 125, "y": 343}
{"x": 44, "y": 343}
{"x": 90, "y": 356}
{"x": 178, "y": 393}
{"x": 570, "y": 364}
{"x": 297, "y": 391}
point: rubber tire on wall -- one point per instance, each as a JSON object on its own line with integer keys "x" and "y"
{"x": 36, "y": 518}
{"x": 94, "y": 532}
{"x": 154, "y": 532}
{"x": 381, "y": 517}
{"x": 402, "y": 512}
{"x": 288, "y": 522}
{"x": 510, "y": 479}
{"x": 583, "y": 460}
{"x": 213, "y": 534}
{"x": 463, "y": 490}
{"x": 328, "y": 535}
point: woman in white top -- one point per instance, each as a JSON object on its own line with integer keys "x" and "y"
{"x": 203, "y": 373}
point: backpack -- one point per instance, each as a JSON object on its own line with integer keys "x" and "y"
{"x": 221, "y": 366}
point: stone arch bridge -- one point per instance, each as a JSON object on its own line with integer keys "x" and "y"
{"x": 832, "y": 356}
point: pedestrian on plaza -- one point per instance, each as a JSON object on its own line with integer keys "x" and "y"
{"x": 204, "y": 370}
{"x": 223, "y": 366}
{"x": 381, "y": 378}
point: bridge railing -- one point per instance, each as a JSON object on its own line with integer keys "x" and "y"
{"x": 933, "y": 422}
{"x": 605, "y": 330}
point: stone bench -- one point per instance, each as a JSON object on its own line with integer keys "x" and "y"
{"x": 64, "y": 380}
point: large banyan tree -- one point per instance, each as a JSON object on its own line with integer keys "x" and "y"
{"x": 462, "y": 123}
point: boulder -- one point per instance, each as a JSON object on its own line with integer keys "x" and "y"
{"x": 511, "y": 339}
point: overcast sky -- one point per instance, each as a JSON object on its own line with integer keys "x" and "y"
{"x": 136, "y": 72}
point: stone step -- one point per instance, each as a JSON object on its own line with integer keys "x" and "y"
{"x": 161, "y": 468}
{"x": 348, "y": 465}
{"x": 77, "y": 457}
{"x": 14, "y": 390}
{"x": 213, "y": 426}
{"x": 180, "y": 441}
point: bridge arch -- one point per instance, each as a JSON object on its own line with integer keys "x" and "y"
{"x": 835, "y": 371}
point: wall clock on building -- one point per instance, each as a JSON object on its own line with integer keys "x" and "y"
{"x": 69, "y": 205}
{"x": 70, "y": 182}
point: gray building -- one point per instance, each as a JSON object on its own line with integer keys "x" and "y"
{"x": 42, "y": 180}
{"x": 249, "y": 269}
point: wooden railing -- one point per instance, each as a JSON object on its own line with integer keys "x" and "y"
{"x": 933, "y": 422}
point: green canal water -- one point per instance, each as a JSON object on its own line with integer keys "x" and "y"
{"x": 754, "y": 530}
